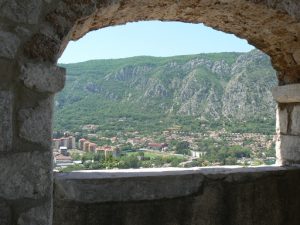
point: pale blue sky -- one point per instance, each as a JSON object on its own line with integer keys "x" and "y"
{"x": 152, "y": 38}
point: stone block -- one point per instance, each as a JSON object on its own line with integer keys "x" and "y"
{"x": 5, "y": 213}
{"x": 9, "y": 44}
{"x": 26, "y": 175}
{"x": 5, "y": 120}
{"x": 287, "y": 93}
{"x": 8, "y": 72}
{"x": 43, "y": 78}
{"x": 41, "y": 215}
{"x": 36, "y": 123}
{"x": 23, "y": 11}
{"x": 281, "y": 120}
{"x": 41, "y": 46}
{"x": 288, "y": 150}
{"x": 295, "y": 120}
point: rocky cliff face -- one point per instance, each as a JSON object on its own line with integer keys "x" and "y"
{"x": 234, "y": 86}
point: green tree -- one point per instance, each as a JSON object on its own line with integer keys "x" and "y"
{"x": 182, "y": 148}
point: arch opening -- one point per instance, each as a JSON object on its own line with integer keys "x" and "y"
{"x": 220, "y": 111}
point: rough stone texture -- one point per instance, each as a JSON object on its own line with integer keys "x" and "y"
{"x": 281, "y": 120}
{"x": 40, "y": 215}
{"x": 287, "y": 93}
{"x": 288, "y": 150}
{"x": 6, "y": 109}
{"x": 43, "y": 78}
{"x": 271, "y": 26}
{"x": 25, "y": 175}
{"x": 295, "y": 120}
{"x": 277, "y": 28}
{"x": 296, "y": 56}
{"x": 22, "y": 11}
{"x": 261, "y": 196}
{"x": 126, "y": 188}
{"x": 5, "y": 213}
{"x": 36, "y": 123}
{"x": 9, "y": 44}
{"x": 8, "y": 73}
{"x": 43, "y": 47}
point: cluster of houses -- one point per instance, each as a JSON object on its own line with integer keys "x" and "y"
{"x": 146, "y": 142}
{"x": 158, "y": 146}
{"x": 88, "y": 146}
{"x": 60, "y": 151}
{"x": 67, "y": 142}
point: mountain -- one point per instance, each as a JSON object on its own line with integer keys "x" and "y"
{"x": 153, "y": 93}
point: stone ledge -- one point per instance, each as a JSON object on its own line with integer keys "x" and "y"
{"x": 287, "y": 93}
{"x": 147, "y": 184}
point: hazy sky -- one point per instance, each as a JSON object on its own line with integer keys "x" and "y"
{"x": 151, "y": 38}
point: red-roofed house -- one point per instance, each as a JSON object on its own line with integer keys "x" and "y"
{"x": 157, "y": 146}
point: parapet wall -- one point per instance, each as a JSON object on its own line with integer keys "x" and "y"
{"x": 206, "y": 196}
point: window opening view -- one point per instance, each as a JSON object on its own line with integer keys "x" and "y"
{"x": 163, "y": 94}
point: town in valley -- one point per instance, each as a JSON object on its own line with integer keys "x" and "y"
{"x": 172, "y": 147}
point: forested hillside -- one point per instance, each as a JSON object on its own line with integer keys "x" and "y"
{"x": 205, "y": 91}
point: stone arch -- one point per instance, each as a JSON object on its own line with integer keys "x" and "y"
{"x": 271, "y": 26}
{"x": 34, "y": 33}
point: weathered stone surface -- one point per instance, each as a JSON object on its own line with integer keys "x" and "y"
{"x": 23, "y": 11}
{"x": 5, "y": 213}
{"x": 126, "y": 188}
{"x": 36, "y": 123}
{"x": 281, "y": 120}
{"x": 23, "y": 32}
{"x": 251, "y": 196}
{"x": 288, "y": 150}
{"x": 296, "y": 56}
{"x": 9, "y": 44}
{"x": 295, "y": 121}
{"x": 26, "y": 175}
{"x": 287, "y": 93}
{"x": 145, "y": 184}
{"x": 6, "y": 126}
{"x": 37, "y": 216}
{"x": 43, "y": 78}
{"x": 43, "y": 47}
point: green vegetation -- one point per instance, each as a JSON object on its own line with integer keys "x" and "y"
{"x": 93, "y": 161}
{"x": 145, "y": 96}
{"x": 150, "y": 94}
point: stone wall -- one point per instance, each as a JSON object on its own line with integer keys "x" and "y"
{"x": 260, "y": 196}
{"x": 34, "y": 33}
{"x": 288, "y": 124}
